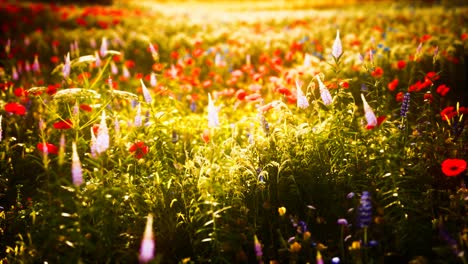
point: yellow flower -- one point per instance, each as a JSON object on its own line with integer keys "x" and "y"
{"x": 282, "y": 211}
{"x": 306, "y": 235}
{"x": 355, "y": 245}
{"x": 295, "y": 247}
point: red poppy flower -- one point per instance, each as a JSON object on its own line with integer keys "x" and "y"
{"x": 431, "y": 77}
{"x": 442, "y": 89}
{"x": 393, "y": 85}
{"x": 206, "y": 135}
{"x": 378, "y": 72}
{"x": 428, "y": 97}
{"x": 54, "y": 59}
{"x": 47, "y": 148}
{"x": 86, "y": 108}
{"x": 448, "y": 113}
{"x": 241, "y": 94}
{"x": 139, "y": 149}
{"x": 399, "y": 97}
{"x": 453, "y": 167}
{"x": 464, "y": 36}
{"x": 380, "y": 120}
{"x": 401, "y": 64}
{"x": 253, "y": 97}
{"x": 425, "y": 38}
{"x": 20, "y": 92}
{"x": 15, "y": 108}
{"x": 63, "y": 124}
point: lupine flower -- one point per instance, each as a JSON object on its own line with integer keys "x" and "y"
{"x": 14, "y": 73}
{"x": 139, "y": 149}
{"x": 147, "y": 243}
{"x": 61, "y": 152}
{"x": 8, "y": 46}
{"x": 324, "y": 93}
{"x": 146, "y": 93}
{"x": 138, "y": 121}
{"x": 93, "y": 143}
{"x": 77, "y": 173}
{"x": 213, "y": 119}
{"x": 125, "y": 72}
{"x": 36, "y": 65}
{"x": 365, "y": 210}
{"x": 97, "y": 62}
{"x": 110, "y": 82}
{"x": 342, "y": 221}
{"x": 114, "y": 68}
{"x": 337, "y": 49}
{"x": 264, "y": 123}
{"x": 453, "y": 167}
{"x": 103, "y": 49}
{"x": 153, "y": 80}
{"x": 27, "y": 66}
{"x": 153, "y": 51}
{"x": 418, "y": 49}
{"x": 258, "y": 248}
{"x": 66, "y": 66}
{"x": 369, "y": 114}
{"x": 301, "y": 98}
{"x": 405, "y": 105}
{"x": 102, "y": 139}
{"x": 335, "y": 260}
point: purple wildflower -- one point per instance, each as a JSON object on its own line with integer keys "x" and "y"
{"x": 365, "y": 210}
{"x": 98, "y": 59}
{"x": 36, "y": 66}
{"x": 147, "y": 243}
{"x": 103, "y": 50}
{"x": 405, "y": 105}
{"x": 324, "y": 93}
{"x": 213, "y": 119}
{"x": 66, "y": 66}
{"x": 138, "y": 121}
{"x": 301, "y": 98}
{"x": 258, "y": 248}
{"x": 153, "y": 80}
{"x": 337, "y": 49}
{"x": 146, "y": 93}
{"x": 369, "y": 114}
{"x": 102, "y": 139}
{"x": 77, "y": 173}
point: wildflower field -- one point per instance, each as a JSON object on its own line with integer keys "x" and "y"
{"x": 133, "y": 135}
